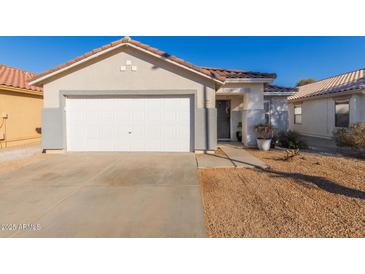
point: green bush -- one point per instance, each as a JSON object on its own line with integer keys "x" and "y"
{"x": 353, "y": 136}
{"x": 291, "y": 139}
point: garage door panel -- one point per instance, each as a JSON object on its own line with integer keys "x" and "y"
{"x": 128, "y": 124}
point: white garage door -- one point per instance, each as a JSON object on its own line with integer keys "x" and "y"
{"x": 128, "y": 124}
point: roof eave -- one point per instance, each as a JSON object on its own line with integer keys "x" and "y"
{"x": 328, "y": 95}
{"x": 278, "y": 93}
{"x": 38, "y": 81}
{"x": 21, "y": 90}
{"x": 248, "y": 80}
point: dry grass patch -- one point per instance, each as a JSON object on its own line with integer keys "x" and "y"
{"x": 310, "y": 196}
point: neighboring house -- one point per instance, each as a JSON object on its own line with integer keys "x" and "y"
{"x": 318, "y": 109}
{"x": 127, "y": 96}
{"x": 20, "y": 108}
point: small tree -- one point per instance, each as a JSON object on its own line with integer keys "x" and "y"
{"x": 305, "y": 82}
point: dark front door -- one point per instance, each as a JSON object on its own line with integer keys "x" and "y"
{"x": 224, "y": 119}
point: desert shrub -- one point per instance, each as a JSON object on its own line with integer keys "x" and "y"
{"x": 353, "y": 136}
{"x": 291, "y": 153}
{"x": 342, "y": 137}
{"x": 291, "y": 139}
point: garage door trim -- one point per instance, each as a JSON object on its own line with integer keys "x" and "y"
{"x": 130, "y": 94}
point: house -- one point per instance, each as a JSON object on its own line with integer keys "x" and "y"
{"x": 319, "y": 108}
{"x": 20, "y": 108}
{"x": 241, "y": 95}
{"x": 128, "y": 96}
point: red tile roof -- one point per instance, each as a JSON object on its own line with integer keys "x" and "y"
{"x": 349, "y": 81}
{"x": 218, "y": 74}
{"x": 17, "y": 78}
{"x": 235, "y": 73}
{"x": 127, "y": 40}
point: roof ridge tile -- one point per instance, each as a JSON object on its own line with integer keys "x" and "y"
{"x": 127, "y": 40}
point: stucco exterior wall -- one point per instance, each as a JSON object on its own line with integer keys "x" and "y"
{"x": 279, "y": 112}
{"x": 318, "y": 118}
{"x": 151, "y": 76}
{"x": 318, "y": 115}
{"x": 252, "y": 114}
{"x": 357, "y": 108}
{"x": 24, "y": 118}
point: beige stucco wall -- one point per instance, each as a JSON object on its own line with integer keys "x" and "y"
{"x": 357, "y": 107}
{"x": 24, "y": 118}
{"x": 318, "y": 118}
{"x": 104, "y": 73}
{"x": 318, "y": 115}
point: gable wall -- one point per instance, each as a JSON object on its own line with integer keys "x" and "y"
{"x": 104, "y": 73}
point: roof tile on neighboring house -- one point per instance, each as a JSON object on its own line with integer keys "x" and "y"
{"x": 17, "y": 78}
{"x": 354, "y": 80}
{"x": 218, "y": 74}
{"x": 234, "y": 73}
{"x": 274, "y": 88}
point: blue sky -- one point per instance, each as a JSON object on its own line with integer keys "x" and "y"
{"x": 292, "y": 58}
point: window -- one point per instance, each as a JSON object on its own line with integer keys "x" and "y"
{"x": 297, "y": 114}
{"x": 342, "y": 116}
{"x": 267, "y": 112}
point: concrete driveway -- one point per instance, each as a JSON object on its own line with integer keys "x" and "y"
{"x": 103, "y": 195}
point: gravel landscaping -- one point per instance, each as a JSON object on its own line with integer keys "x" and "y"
{"x": 311, "y": 195}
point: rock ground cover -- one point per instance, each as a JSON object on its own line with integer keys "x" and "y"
{"x": 311, "y": 195}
